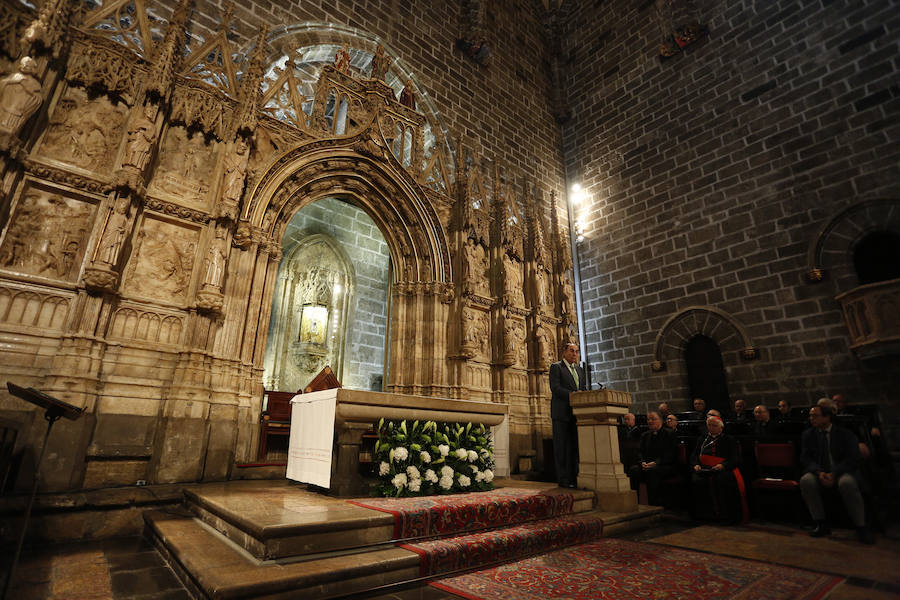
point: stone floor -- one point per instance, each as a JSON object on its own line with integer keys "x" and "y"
{"x": 132, "y": 569}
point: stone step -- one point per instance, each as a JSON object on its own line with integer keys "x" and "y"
{"x": 274, "y": 520}
{"x": 215, "y": 567}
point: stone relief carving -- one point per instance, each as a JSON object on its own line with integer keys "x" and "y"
{"x": 475, "y": 268}
{"x": 514, "y": 346}
{"x": 20, "y": 97}
{"x": 215, "y": 259}
{"x": 163, "y": 261}
{"x": 233, "y": 179}
{"x": 141, "y": 137}
{"x": 139, "y": 324}
{"x": 546, "y": 353}
{"x": 512, "y": 281}
{"x": 47, "y": 236}
{"x": 83, "y": 132}
{"x": 482, "y": 334}
{"x": 97, "y": 65}
{"x": 28, "y": 308}
{"x": 114, "y": 233}
{"x": 185, "y": 163}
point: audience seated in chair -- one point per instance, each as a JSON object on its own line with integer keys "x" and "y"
{"x": 740, "y": 411}
{"x": 830, "y": 459}
{"x": 663, "y": 410}
{"x": 784, "y": 411}
{"x": 718, "y": 486}
{"x": 629, "y": 430}
{"x": 763, "y": 425}
{"x": 672, "y": 423}
{"x": 658, "y": 453}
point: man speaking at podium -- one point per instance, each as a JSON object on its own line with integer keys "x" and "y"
{"x": 565, "y": 377}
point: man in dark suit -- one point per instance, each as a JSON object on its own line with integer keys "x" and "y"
{"x": 565, "y": 377}
{"x": 830, "y": 458}
{"x": 656, "y": 462}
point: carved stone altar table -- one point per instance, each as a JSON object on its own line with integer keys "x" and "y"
{"x": 327, "y": 428}
{"x": 600, "y": 468}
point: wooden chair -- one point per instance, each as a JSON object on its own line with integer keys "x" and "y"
{"x": 275, "y": 421}
{"x": 778, "y": 473}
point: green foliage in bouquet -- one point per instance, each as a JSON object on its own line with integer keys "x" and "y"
{"x": 423, "y": 459}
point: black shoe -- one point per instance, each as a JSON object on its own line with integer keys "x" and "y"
{"x": 864, "y": 535}
{"x": 821, "y": 530}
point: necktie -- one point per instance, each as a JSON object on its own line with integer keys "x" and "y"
{"x": 574, "y": 374}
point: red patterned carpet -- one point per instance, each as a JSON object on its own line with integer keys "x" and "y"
{"x": 619, "y": 569}
{"x": 466, "y": 551}
{"x": 458, "y": 513}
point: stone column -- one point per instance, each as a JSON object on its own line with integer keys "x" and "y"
{"x": 600, "y": 468}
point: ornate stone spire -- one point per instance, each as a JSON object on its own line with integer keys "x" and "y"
{"x": 168, "y": 54}
{"x": 250, "y": 93}
{"x": 46, "y": 32}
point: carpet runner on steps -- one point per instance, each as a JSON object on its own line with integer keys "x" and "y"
{"x": 615, "y": 569}
{"x": 431, "y": 516}
{"x": 446, "y": 555}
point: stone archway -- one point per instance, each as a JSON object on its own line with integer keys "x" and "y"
{"x": 363, "y": 171}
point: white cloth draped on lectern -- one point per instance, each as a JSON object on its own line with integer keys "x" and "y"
{"x": 312, "y": 437}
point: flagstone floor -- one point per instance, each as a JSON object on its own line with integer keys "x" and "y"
{"x": 131, "y": 569}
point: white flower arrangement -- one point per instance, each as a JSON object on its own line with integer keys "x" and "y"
{"x": 423, "y": 458}
{"x": 399, "y": 480}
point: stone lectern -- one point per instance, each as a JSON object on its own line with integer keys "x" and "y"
{"x": 600, "y": 468}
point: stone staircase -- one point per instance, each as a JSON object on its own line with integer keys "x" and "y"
{"x": 263, "y": 539}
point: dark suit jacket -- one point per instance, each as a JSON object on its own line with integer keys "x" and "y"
{"x": 561, "y": 385}
{"x": 844, "y": 451}
{"x": 661, "y": 448}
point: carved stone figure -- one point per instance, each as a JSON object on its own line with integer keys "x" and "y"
{"x": 540, "y": 283}
{"x": 114, "y": 234}
{"x": 545, "y": 353}
{"x": 408, "y": 95}
{"x": 512, "y": 277}
{"x": 81, "y": 132}
{"x": 342, "y": 60}
{"x": 469, "y": 341}
{"x": 565, "y": 294}
{"x": 215, "y": 259}
{"x": 235, "y": 170}
{"x": 20, "y": 97}
{"x": 162, "y": 261}
{"x": 141, "y": 137}
{"x": 380, "y": 64}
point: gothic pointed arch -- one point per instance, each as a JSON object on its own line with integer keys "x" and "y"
{"x": 708, "y": 321}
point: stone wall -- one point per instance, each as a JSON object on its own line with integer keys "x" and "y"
{"x": 358, "y": 236}
{"x": 710, "y": 175}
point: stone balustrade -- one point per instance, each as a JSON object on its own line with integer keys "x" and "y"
{"x": 872, "y": 315}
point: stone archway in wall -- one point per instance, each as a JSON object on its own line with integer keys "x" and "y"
{"x": 363, "y": 171}
{"x": 680, "y": 329}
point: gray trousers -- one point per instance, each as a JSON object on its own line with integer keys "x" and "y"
{"x": 849, "y": 490}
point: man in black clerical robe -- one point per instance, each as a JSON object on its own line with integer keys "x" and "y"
{"x": 717, "y": 483}
{"x": 656, "y": 461}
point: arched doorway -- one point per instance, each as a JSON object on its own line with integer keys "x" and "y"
{"x": 330, "y": 305}
{"x": 706, "y": 372}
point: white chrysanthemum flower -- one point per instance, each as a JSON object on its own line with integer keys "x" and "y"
{"x": 446, "y": 471}
{"x": 461, "y": 453}
{"x": 488, "y": 475}
{"x": 444, "y": 449}
{"x": 384, "y": 468}
{"x": 426, "y": 458}
{"x": 446, "y": 482}
{"x": 479, "y": 476}
{"x": 399, "y": 480}
{"x": 412, "y": 472}
{"x": 431, "y": 476}
{"x": 401, "y": 453}
{"x": 474, "y": 468}
{"x": 472, "y": 455}
{"x": 485, "y": 453}
{"x": 415, "y": 484}
{"x": 464, "y": 481}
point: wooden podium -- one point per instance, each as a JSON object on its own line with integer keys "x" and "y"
{"x": 599, "y": 467}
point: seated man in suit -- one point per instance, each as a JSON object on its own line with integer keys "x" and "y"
{"x": 784, "y": 410}
{"x": 656, "y": 461}
{"x": 717, "y": 482}
{"x": 565, "y": 377}
{"x": 629, "y": 430}
{"x": 830, "y": 459}
{"x": 663, "y": 410}
{"x": 763, "y": 425}
{"x": 740, "y": 411}
{"x": 672, "y": 423}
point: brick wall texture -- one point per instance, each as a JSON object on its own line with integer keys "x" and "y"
{"x": 710, "y": 175}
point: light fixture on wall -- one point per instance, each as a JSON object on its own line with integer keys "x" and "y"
{"x": 578, "y": 199}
